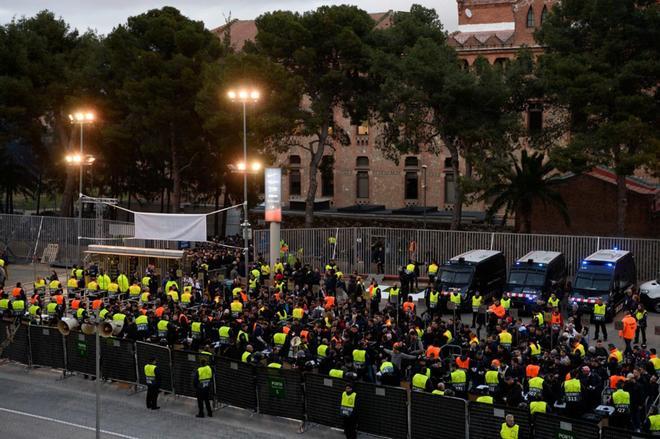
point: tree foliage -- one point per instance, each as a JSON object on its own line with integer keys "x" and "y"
{"x": 601, "y": 65}
{"x": 327, "y": 54}
{"x": 427, "y": 101}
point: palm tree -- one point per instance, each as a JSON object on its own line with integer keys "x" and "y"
{"x": 520, "y": 185}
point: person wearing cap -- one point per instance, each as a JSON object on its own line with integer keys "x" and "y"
{"x": 509, "y": 428}
{"x": 348, "y": 411}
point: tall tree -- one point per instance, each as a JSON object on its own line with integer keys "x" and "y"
{"x": 42, "y": 72}
{"x": 521, "y": 183}
{"x": 426, "y": 101}
{"x": 156, "y": 60}
{"x": 326, "y": 51}
{"x": 601, "y": 66}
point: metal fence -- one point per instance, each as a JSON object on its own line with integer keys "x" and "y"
{"x": 308, "y": 397}
{"x": 360, "y": 248}
{"x": 26, "y": 238}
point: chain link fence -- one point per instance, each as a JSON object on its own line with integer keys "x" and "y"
{"x": 362, "y": 248}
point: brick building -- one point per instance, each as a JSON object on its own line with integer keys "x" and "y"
{"x": 359, "y": 174}
{"x": 591, "y": 202}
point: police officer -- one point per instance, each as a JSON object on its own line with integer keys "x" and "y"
{"x": 152, "y": 377}
{"x": 598, "y": 317}
{"x": 203, "y": 380}
{"x": 348, "y": 413}
{"x": 621, "y": 402}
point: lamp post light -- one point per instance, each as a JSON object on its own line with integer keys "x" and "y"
{"x": 81, "y": 118}
{"x": 244, "y": 96}
{"x": 424, "y": 168}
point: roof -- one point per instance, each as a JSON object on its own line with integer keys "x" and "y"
{"x": 633, "y": 184}
{"x": 241, "y": 31}
{"x": 492, "y": 38}
{"x": 134, "y": 251}
{"x": 539, "y": 256}
{"x": 475, "y": 256}
{"x": 606, "y": 256}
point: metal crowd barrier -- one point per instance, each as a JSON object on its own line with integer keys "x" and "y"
{"x": 424, "y": 411}
{"x": 235, "y": 383}
{"x": 384, "y": 411}
{"x": 486, "y": 420}
{"x": 549, "y": 426}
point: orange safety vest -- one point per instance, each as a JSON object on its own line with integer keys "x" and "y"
{"x": 433, "y": 352}
{"x": 286, "y": 329}
{"x": 59, "y": 299}
{"x": 614, "y": 380}
{"x": 499, "y": 311}
{"x": 463, "y": 364}
{"x": 304, "y": 334}
{"x": 556, "y": 319}
{"x": 96, "y": 304}
{"x": 329, "y": 302}
{"x": 75, "y": 304}
{"x": 408, "y": 306}
{"x": 34, "y": 299}
{"x": 277, "y": 296}
{"x": 532, "y": 370}
{"x": 159, "y": 311}
{"x": 629, "y": 327}
{"x": 16, "y": 292}
{"x": 244, "y": 297}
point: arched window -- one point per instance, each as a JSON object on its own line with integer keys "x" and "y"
{"x": 544, "y": 14}
{"x": 327, "y": 176}
{"x": 362, "y": 162}
{"x": 411, "y": 162}
{"x": 294, "y": 160}
{"x": 530, "y": 17}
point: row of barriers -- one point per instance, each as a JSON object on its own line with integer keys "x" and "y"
{"x": 308, "y": 397}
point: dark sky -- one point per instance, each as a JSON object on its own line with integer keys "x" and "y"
{"x": 103, "y": 15}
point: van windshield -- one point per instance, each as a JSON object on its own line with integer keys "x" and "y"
{"x": 526, "y": 279}
{"x": 592, "y": 282}
{"x": 455, "y": 277}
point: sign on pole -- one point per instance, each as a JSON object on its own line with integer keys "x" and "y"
{"x": 273, "y": 192}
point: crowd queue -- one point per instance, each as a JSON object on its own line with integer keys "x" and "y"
{"x": 347, "y": 326}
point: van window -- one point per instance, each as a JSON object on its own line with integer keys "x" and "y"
{"x": 529, "y": 279}
{"x": 455, "y": 277}
{"x": 594, "y": 282}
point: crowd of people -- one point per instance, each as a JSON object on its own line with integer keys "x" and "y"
{"x": 347, "y": 326}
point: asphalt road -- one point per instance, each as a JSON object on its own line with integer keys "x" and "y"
{"x": 37, "y": 403}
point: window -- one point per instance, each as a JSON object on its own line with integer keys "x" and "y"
{"x": 362, "y": 162}
{"x": 544, "y": 14}
{"x": 450, "y": 185}
{"x": 294, "y": 182}
{"x": 411, "y": 186}
{"x": 327, "y": 176}
{"x": 502, "y": 63}
{"x": 363, "y": 129}
{"x": 534, "y": 119}
{"x": 362, "y": 184}
{"x": 530, "y": 17}
{"x": 294, "y": 160}
{"x": 447, "y": 162}
{"x": 411, "y": 162}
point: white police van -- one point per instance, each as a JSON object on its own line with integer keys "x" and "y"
{"x": 650, "y": 294}
{"x": 607, "y": 274}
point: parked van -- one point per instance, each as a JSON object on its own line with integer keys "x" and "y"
{"x": 607, "y": 274}
{"x": 534, "y": 276}
{"x": 475, "y": 270}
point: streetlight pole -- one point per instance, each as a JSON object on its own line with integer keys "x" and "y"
{"x": 424, "y": 167}
{"x": 244, "y": 96}
{"x": 246, "y": 223}
{"x": 80, "y": 117}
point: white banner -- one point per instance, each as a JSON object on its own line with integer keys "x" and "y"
{"x": 170, "y": 226}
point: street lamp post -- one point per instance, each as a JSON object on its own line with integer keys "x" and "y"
{"x": 244, "y": 96}
{"x": 424, "y": 167}
{"x": 81, "y": 118}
